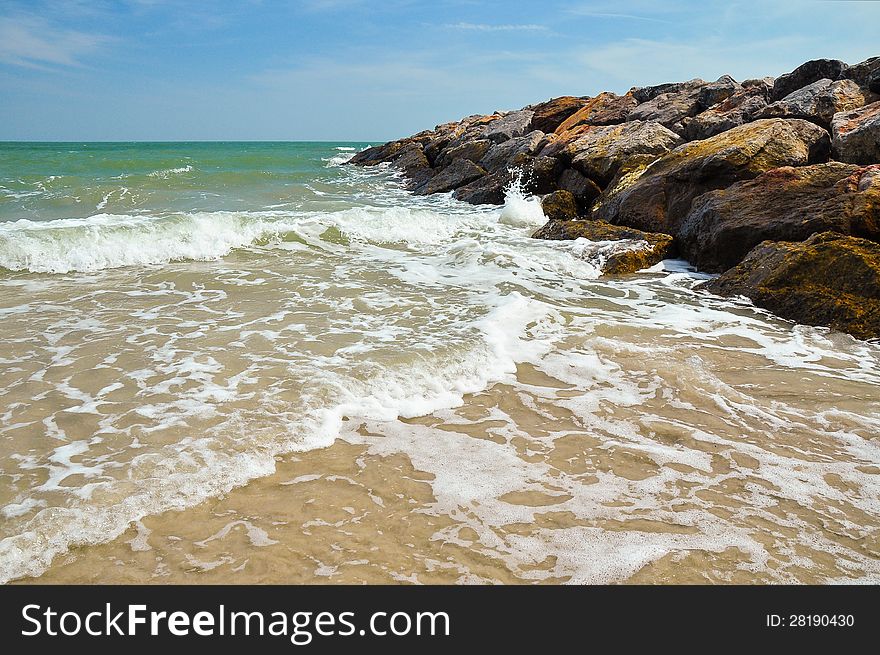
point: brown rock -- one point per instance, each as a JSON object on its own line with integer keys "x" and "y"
{"x": 584, "y": 190}
{"x": 670, "y": 108}
{"x": 856, "y": 135}
{"x": 550, "y": 115}
{"x": 473, "y": 150}
{"x": 739, "y": 108}
{"x": 649, "y": 249}
{"x": 559, "y": 206}
{"x": 861, "y": 72}
{"x": 605, "y": 109}
{"x": 601, "y": 152}
{"x": 457, "y": 174}
{"x": 784, "y": 204}
{"x": 511, "y": 153}
{"x": 829, "y": 279}
{"x": 662, "y": 195}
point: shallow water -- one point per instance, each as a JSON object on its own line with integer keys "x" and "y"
{"x": 247, "y": 362}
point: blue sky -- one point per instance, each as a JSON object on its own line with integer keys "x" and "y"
{"x": 370, "y": 70}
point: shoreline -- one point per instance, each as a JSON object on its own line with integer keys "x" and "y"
{"x": 724, "y": 173}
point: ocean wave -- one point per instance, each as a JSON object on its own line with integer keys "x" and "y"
{"x": 166, "y": 173}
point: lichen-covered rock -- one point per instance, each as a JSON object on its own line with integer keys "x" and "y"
{"x": 806, "y": 73}
{"x": 658, "y": 199}
{"x": 734, "y": 111}
{"x": 647, "y": 248}
{"x": 457, "y": 174}
{"x": 817, "y": 102}
{"x": 718, "y": 91}
{"x": 856, "y": 135}
{"x": 559, "y": 206}
{"x": 784, "y": 204}
{"x": 648, "y": 93}
{"x": 509, "y": 126}
{"x": 550, "y": 115}
{"x": 829, "y": 279}
{"x": 605, "y": 109}
{"x": 601, "y": 152}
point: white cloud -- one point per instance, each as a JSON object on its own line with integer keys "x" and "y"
{"x": 484, "y": 27}
{"x": 30, "y": 41}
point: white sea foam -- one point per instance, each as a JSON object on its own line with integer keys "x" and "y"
{"x": 168, "y": 173}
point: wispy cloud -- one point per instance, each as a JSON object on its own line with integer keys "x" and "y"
{"x": 615, "y": 16}
{"x": 486, "y": 27}
{"x": 32, "y": 42}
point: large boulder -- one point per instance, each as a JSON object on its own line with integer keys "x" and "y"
{"x": 411, "y": 161}
{"x": 784, "y": 204}
{"x": 861, "y": 73}
{"x": 601, "y": 152}
{"x": 856, "y": 135}
{"x": 584, "y": 190}
{"x": 648, "y": 93}
{"x": 536, "y": 176}
{"x": 662, "y": 195}
{"x": 806, "y": 73}
{"x": 640, "y": 249}
{"x": 457, "y": 174}
{"x": 731, "y": 112}
{"x": 605, "y": 109}
{"x": 509, "y": 126}
{"x": 513, "y": 152}
{"x": 670, "y": 108}
{"x": 829, "y": 279}
{"x": 873, "y": 81}
{"x": 559, "y": 206}
{"x": 550, "y": 115}
{"x": 817, "y": 102}
{"x": 472, "y": 150}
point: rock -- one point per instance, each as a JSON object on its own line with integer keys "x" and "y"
{"x": 540, "y": 174}
{"x": 861, "y": 72}
{"x": 784, "y": 204}
{"x": 762, "y": 85}
{"x": 550, "y": 115}
{"x": 536, "y": 176}
{"x": 457, "y": 174}
{"x": 856, "y": 135}
{"x": 601, "y": 152}
{"x": 584, "y": 190}
{"x": 806, "y": 73}
{"x": 559, "y": 206}
{"x": 648, "y": 93}
{"x": 736, "y": 110}
{"x": 829, "y": 279}
{"x": 670, "y": 108}
{"x": 513, "y": 152}
{"x": 817, "y": 102}
{"x": 662, "y": 195}
{"x": 874, "y": 81}
{"x": 412, "y": 162}
{"x": 487, "y": 190}
{"x": 605, "y": 109}
{"x": 648, "y": 249}
{"x": 717, "y": 91}
{"x": 510, "y": 126}
{"x": 472, "y": 150}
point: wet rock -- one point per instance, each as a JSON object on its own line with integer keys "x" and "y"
{"x": 601, "y": 152}
{"x": 559, "y": 206}
{"x": 806, "y": 73}
{"x": 856, "y": 135}
{"x": 658, "y": 199}
{"x": 412, "y": 162}
{"x": 486, "y": 190}
{"x": 540, "y": 174}
{"x": 457, "y": 174}
{"x": 817, "y": 102}
{"x": 605, "y": 109}
{"x": 784, "y": 204}
{"x": 584, "y": 190}
{"x": 510, "y": 126}
{"x": 829, "y": 279}
{"x": 646, "y": 250}
{"x": 550, "y": 115}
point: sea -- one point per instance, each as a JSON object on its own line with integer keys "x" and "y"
{"x": 251, "y": 362}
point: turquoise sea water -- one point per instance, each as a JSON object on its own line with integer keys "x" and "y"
{"x": 176, "y": 317}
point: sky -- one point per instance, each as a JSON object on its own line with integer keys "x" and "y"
{"x": 370, "y": 70}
